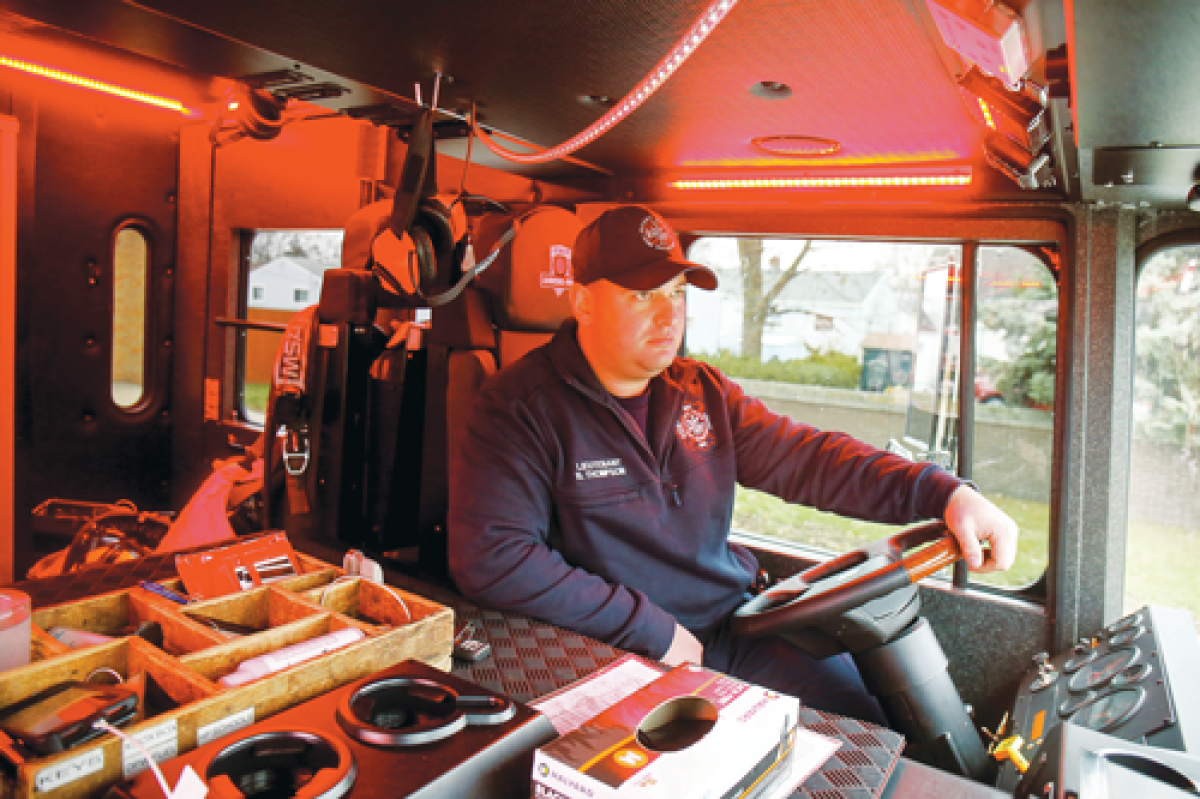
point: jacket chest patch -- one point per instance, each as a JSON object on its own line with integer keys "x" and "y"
{"x": 694, "y": 428}
{"x": 593, "y": 470}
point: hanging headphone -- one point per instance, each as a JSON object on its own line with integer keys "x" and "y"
{"x": 419, "y": 216}
{"x": 425, "y": 242}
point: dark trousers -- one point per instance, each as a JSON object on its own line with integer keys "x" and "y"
{"x": 833, "y": 685}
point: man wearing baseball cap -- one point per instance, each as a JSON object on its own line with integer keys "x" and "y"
{"x": 595, "y": 485}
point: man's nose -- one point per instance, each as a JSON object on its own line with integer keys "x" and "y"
{"x": 664, "y": 311}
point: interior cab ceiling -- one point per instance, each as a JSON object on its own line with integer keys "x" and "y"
{"x": 875, "y": 76}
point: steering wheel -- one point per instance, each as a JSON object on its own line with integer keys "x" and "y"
{"x": 867, "y": 573}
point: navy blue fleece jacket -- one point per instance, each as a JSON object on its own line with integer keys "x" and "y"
{"x": 561, "y": 509}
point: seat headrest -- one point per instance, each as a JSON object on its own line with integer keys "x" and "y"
{"x": 528, "y": 282}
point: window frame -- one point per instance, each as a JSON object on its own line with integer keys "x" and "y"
{"x": 241, "y": 310}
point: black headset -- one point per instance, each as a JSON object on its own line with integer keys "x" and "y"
{"x": 427, "y": 221}
{"x": 418, "y": 213}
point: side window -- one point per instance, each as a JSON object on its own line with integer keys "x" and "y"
{"x": 276, "y": 263}
{"x": 1016, "y": 344}
{"x": 131, "y": 266}
{"x": 864, "y": 338}
{"x": 1164, "y": 496}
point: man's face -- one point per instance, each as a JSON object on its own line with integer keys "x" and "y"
{"x": 630, "y": 336}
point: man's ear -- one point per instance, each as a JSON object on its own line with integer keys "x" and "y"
{"x": 581, "y": 303}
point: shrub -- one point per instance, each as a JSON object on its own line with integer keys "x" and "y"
{"x": 820, "y": 368}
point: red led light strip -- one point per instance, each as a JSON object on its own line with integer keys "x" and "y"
{"x": 832, "y": 182}
{"x": 665, "y": 68}
{"x": 100, "y": 86}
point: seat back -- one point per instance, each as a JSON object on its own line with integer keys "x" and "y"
{"x": 528, "y": 286}
{"x": 515, "y": 305}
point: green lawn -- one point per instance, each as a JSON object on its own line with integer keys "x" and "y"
{"x": 255, "y": 398}
{"x": 1163, "y": 567}
{"x": 1163, "y": 562}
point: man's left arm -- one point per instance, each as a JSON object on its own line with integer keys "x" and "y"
{"x": 838, "y": 473}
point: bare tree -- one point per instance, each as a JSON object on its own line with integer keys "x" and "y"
{"x": 757, "y": 299}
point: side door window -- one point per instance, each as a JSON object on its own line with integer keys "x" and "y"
{"x": 1164, "y": 497}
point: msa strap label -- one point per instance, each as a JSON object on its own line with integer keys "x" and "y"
{"x": 291, "y": 366}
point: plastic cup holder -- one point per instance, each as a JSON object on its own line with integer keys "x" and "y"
{"x": 283, "y": 764}
{"x": 405, "y": 711}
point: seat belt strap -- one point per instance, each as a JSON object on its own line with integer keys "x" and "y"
{"x": 291, "y": 411}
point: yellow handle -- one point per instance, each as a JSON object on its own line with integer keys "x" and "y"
{"x": 1010, "y": 749}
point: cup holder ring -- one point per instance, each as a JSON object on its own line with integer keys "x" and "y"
{"x": 400, "y": 711}
{"x": 299, "y": 763}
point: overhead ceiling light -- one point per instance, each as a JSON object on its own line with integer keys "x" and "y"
{"x": 96, "y": 85}
{"x": 771, "y": 90}
{"x": 796, "y": 146}
{"x": 908, "y": 177}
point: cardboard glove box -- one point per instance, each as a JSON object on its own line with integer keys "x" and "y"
{"x": 691, "y": 733}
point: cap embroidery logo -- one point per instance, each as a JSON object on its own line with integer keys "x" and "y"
{"x": 656, "y": 234}
{"x": 558, "y": 276}
{"x": 694, "y": 428}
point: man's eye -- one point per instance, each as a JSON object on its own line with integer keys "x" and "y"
{"x": 642, "y": 296}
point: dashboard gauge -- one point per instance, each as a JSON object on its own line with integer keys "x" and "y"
{"x": 1132, "y": 620}
{"x": 1110, "y": 710}
{"x": 1131, "y": 674}
{"x": 1101, "y": 670}
{"x": 1080, "y": 655}
{"x": 1071, "y": 704}
{"x": 1126, "y": 636}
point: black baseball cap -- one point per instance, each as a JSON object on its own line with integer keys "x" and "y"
{"x": 635, "y": 248}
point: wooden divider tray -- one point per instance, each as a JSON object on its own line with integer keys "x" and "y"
{"x": 183, "y": 704}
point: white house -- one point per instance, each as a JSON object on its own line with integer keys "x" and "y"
{"x": 286, "y": 283}
{"x": 819, "y": 310}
